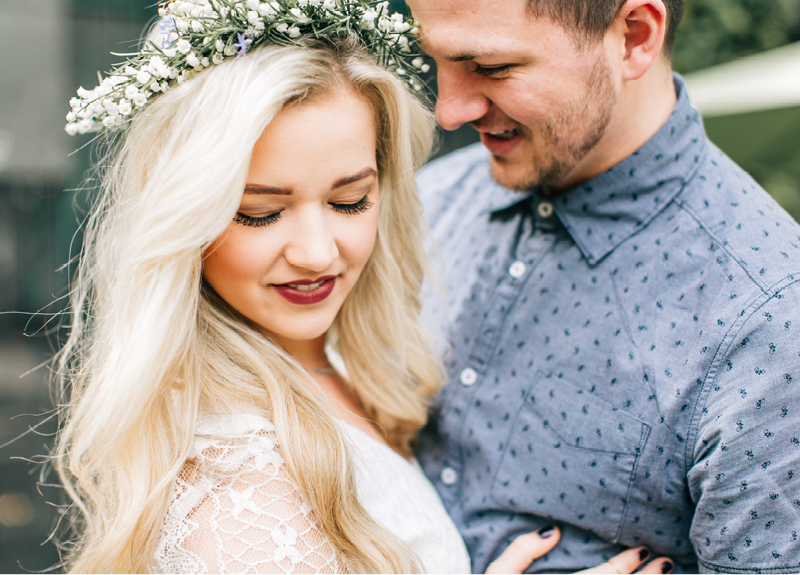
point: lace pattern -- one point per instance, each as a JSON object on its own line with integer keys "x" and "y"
{"x": 235, "y": 510}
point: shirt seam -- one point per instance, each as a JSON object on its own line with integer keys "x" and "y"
{"x": 741, "y": 320}
{"x": 723, "y": 244}
{"x": 726, "y": 569}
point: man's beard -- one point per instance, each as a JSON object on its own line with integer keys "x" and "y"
{"x": 567, "y": 136}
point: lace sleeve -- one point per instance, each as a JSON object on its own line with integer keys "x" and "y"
{"x": 236, "y": 510}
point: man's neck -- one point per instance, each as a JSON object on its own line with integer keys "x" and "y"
{"x": 643, "y": 106}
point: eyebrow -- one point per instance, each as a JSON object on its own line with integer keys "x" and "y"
{"x": 340, "y": 183}
{"x": 347, "y": 180}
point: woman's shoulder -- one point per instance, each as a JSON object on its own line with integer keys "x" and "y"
{"x": 235, "y": 507}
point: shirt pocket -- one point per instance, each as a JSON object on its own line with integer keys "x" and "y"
{"x": 570, "y": 457}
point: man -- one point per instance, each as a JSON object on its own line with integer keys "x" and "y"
{"x": 624, "y": 306}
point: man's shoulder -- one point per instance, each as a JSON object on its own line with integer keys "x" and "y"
{"x": 448, "y": 172}
{"x": 741, "y": 216}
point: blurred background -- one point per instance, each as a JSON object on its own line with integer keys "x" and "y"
{"x": 742, "y": 63}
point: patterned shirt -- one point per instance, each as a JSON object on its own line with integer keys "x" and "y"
{"x": 623, "y": 360}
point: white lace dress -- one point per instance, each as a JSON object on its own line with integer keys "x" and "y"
{"x": 243, "y": 514}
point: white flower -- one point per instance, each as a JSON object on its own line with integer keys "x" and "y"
{"x": 328, "y": 5}
{"x": 75, "y": 103}
{"x": 208, "y": 10}
{"x": 193, "y": 60}
{"x": 181, "y": 24}
{"x": 252, "y": 16}
{"x": 217, "y": 58}
{"x": 229, "y": 51}
{"x": 300, "y": 16}
{"x": 302, "y": 3}
{"x": 315, "y": 2}
{"x": 219, "y": 45}
{"x": 253, "y": 4}
{"x": 131, "y": 91}
{"x": 71, "y": 117}
{"x": 164, "y": 86}
{"x": 282, "y": 27}
{"x": 111, "y": 107}
{"x": 125, "y": 107}
{"x": 417, "y": 62}
{"x": 197, "y": 26}
{"x": 85, "y": 94}
{"x": 85, "y": 126}
{"x": 425, "y": 68}
{"x": 72, "y": 129}
{"x": 267, "y": 10}
{"x": 108, "y": 121}
{"x": 184, "y": 47}
{"x": 143, "y": 77}
{"x": 173, "y": 73}
{"x": 158, "y": 67}
{"x": 400, "y": 27}
{"x": 170, "y": 52}
{"x": 140, "y": 99}
{"x": 205, "y": 63}
{"x": 294, "y": 32}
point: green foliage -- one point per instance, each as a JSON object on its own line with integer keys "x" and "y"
{"x": 715, "y": 31}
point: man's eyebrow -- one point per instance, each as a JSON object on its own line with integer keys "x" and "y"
{"x": 259, "y": 189}
{"x": 365, "y": 173}
{"x": 462, "y": 57}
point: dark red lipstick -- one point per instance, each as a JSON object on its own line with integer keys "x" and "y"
{"x": 298, "y": 291}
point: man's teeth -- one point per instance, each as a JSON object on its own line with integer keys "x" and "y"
{"x": 305, "y": 287}
{"x": 504, "y": 135}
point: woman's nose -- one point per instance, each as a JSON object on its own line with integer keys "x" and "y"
{"x": 313, "y": 242}
{"x": 460, "y": 100}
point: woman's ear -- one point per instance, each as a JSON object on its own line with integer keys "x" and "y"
{"x": 638, "y": 32}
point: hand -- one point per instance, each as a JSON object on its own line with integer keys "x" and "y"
{"x": 526, "y": 548}
{"x": 630, "y": 560}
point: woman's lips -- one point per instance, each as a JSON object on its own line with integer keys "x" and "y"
{"x": 501, "y": 143}
{"x": 306, "y": 292}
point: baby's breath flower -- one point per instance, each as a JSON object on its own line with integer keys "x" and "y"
{"x": 184, "y": 47}
{"x": 192, "y": 60}
{"x": 294, "y": 32}
{"x": 143, "y": 77}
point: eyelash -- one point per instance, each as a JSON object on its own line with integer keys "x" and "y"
{"x": 493, "y": 72}
{"x": 358, "y": 207}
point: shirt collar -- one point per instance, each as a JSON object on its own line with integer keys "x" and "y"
{"x": 603, "y": 212}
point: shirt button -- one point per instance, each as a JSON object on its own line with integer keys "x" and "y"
{"x": 517, "y": 270}
{"x": 468, "y": 377}
{"x": 449, "y": 476}
{"x": 545, "y": 209}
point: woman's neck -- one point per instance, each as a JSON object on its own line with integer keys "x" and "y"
{"x": 309, "y": 353}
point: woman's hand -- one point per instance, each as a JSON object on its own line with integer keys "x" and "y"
{"x": 526, "y": 548}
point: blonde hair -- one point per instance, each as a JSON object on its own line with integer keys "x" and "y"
{"x": 143, "y": 324}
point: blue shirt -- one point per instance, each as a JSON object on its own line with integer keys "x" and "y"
{"x": 624, "y": 360}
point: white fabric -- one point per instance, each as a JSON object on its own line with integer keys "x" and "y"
{"x": 238, "y": 511}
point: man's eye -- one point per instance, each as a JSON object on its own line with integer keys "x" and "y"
{"x": 493, "y": 71}
{"x": 360, "y": 206}
{"x": 257, "y": 222}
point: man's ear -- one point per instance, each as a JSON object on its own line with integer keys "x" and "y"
{"x": 638, "y": 30}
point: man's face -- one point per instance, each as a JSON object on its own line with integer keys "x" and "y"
{"x": 540, "y": 101}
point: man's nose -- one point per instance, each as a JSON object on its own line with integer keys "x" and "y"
{"x": 459, "y": 100}
{"x": 313, "y": 244}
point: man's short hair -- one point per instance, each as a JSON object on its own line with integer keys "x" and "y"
{"x": 591, "y": 19}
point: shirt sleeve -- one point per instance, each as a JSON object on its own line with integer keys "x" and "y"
{"x": 745, "y": 472}
{"x": 236, "y": 510}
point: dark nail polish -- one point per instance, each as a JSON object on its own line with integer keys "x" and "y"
{"x": 547, "y": 532}
{"x": 667, "y": 567}
{"x": 644, "y": 553}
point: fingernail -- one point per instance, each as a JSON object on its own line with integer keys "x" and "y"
{"x": 547, "y": 532}
{"x": 644, "y": 553}
{"x": 667, "y": 567}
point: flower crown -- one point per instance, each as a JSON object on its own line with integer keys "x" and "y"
{"x": 196, "y": 34}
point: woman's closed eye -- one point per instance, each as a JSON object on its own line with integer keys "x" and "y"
{"x": 358, "y": 207}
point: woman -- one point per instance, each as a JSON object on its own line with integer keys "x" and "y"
{"x": 247, "y": 218}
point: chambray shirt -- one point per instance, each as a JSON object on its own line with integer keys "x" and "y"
{"x": 624, "y": 360}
